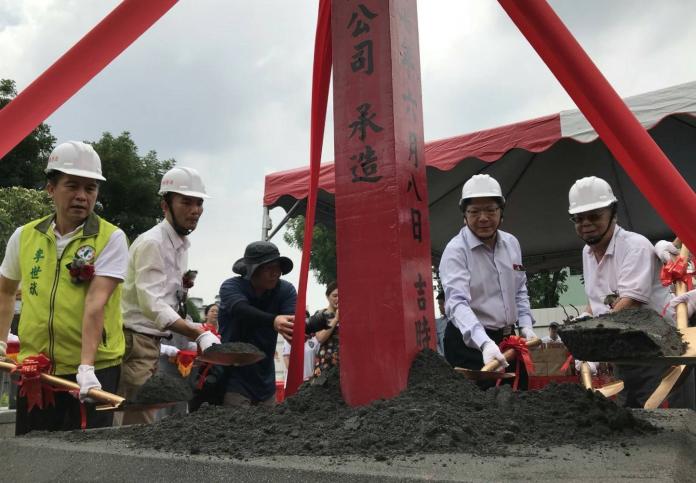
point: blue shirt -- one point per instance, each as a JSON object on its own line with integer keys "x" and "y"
{"x": 256, "y": 381}
{"x": 484, "y": 288}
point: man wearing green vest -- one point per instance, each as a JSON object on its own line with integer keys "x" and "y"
{"x": 70, "y": 265}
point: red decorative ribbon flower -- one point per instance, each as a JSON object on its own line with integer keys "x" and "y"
{"x": 519, "y": 344}
{"x": 677, "y": 271}
{"x": 80, "y": 270}
{"x": 184, "y": 362}
{"x": 30, "y": 386}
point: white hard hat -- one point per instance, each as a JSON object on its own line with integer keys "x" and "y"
{"x": 589, "y": 194}
{"x": 76, "y": 158}
{"x": 185, "y": 181}
{"x": 481, "y": 186}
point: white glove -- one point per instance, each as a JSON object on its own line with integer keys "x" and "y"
{"x": 664, "y": 251}
{"x": 168, "y": 350}
{"x": 689, "y": 298}
{"x": 12, "y": 338}
{"x": 3, "y": 348}
{"x": 582, "y": 315}
{"x": 87, "y": 380}
{"x": 593, "y": 366}
{"x": 206, "y": 339}
{"x": 528, "y": 333}
{"x": 490, "y": 352}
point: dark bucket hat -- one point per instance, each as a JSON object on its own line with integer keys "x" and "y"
{"x": 259, "y": 253}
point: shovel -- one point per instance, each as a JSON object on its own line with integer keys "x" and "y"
{"x": 109, "y": 401}
{"x": 673, "y": 374}
{"x": 611, "y": 389}
{"x": 489, "y": 372}
{"x": 96, "y": 394}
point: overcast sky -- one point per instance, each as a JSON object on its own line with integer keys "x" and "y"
{"x": 224, "y": 86}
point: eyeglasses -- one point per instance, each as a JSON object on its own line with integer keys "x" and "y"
{"x": 476, "y": 213}
{"x": 592, "y": 217}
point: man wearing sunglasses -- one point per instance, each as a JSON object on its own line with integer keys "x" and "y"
{"x": 620, "y": 271}
{"x": 484, "y": 281}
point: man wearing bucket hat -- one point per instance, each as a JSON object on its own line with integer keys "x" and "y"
{"x": 155, "y": 289}
{"x": 484, "y": 281}
{"x": 620, "y": 271}
{"x": 255, "y": 307}
{"x": 70, "y": 265}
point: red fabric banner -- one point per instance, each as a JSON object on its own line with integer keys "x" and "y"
{"x": 629, "y": 142}
{"x": 321, "y": 79}
{"x": 76, "y": 67}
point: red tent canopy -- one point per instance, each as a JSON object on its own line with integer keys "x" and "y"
{"x": 536, "y": 161}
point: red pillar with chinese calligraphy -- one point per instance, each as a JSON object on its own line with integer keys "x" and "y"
{"x": 382, "y": 228}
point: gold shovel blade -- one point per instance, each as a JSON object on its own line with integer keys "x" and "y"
{"x": 484, "y": 375}
{"x": 611, "y": 389}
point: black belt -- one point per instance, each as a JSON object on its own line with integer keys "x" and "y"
{"x": 503, "y": 331}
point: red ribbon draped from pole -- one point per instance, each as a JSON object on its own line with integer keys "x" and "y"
{"x": 677, "y": 271}
{"x": 519, "y": 344}
{"x": 30, "y": 386}
{"x": 654, "y": 175}
{"x": 321, "y": 78}
{"x": 76, "y": 67}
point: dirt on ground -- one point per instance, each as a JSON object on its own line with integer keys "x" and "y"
{"x": 439, "y": 412}
{"x": 627, "y": 334}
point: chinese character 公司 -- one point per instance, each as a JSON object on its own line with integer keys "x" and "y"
{"x": 362, "y": 58}
{"x": 361, "y": 26}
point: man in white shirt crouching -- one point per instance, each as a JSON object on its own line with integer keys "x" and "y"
{"x": 154, "y": 292}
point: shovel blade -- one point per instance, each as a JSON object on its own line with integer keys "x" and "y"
{"x": 483, "y": 375}
{"x": 611, "y": 389}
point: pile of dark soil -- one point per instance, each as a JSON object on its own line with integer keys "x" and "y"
{"x": 162, "y": 388}
{"x": 439, "y": 412}
{"x": 233, "y": 348}
{"x": 627, "y": 334}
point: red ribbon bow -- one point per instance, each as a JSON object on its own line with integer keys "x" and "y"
{"x": 677, "y": 271}
{"x": 184, "y": 362}
{"x": 30, "y": 385}
{"x": 519, "y": 344}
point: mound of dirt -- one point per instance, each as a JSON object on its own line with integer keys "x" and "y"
{"x": 162, "y": 388}
{"x": 440, "y": 411}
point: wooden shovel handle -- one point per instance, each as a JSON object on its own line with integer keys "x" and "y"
{"x": 586, "y": 375}
{"x": 96, "y": 394}
{"x": 509, "y": 355}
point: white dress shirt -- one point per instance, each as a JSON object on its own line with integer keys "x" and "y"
{"x": 484, "y": 288}
{"x": 154, "y": 283}
{"x": 629, "y": 268}
{"x": 311, "y": 349}
{"x": 111, "y": 262}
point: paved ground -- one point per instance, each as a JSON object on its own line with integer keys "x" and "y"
{"x": 664, "y": 457}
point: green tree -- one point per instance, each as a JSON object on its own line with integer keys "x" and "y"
{"x": 323, "y": 257}
{"x": 545, "y": 288}
{"x": 24, "y": 164}
{"x": 19, "y": 206}
{"x": 129, "y": 195}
